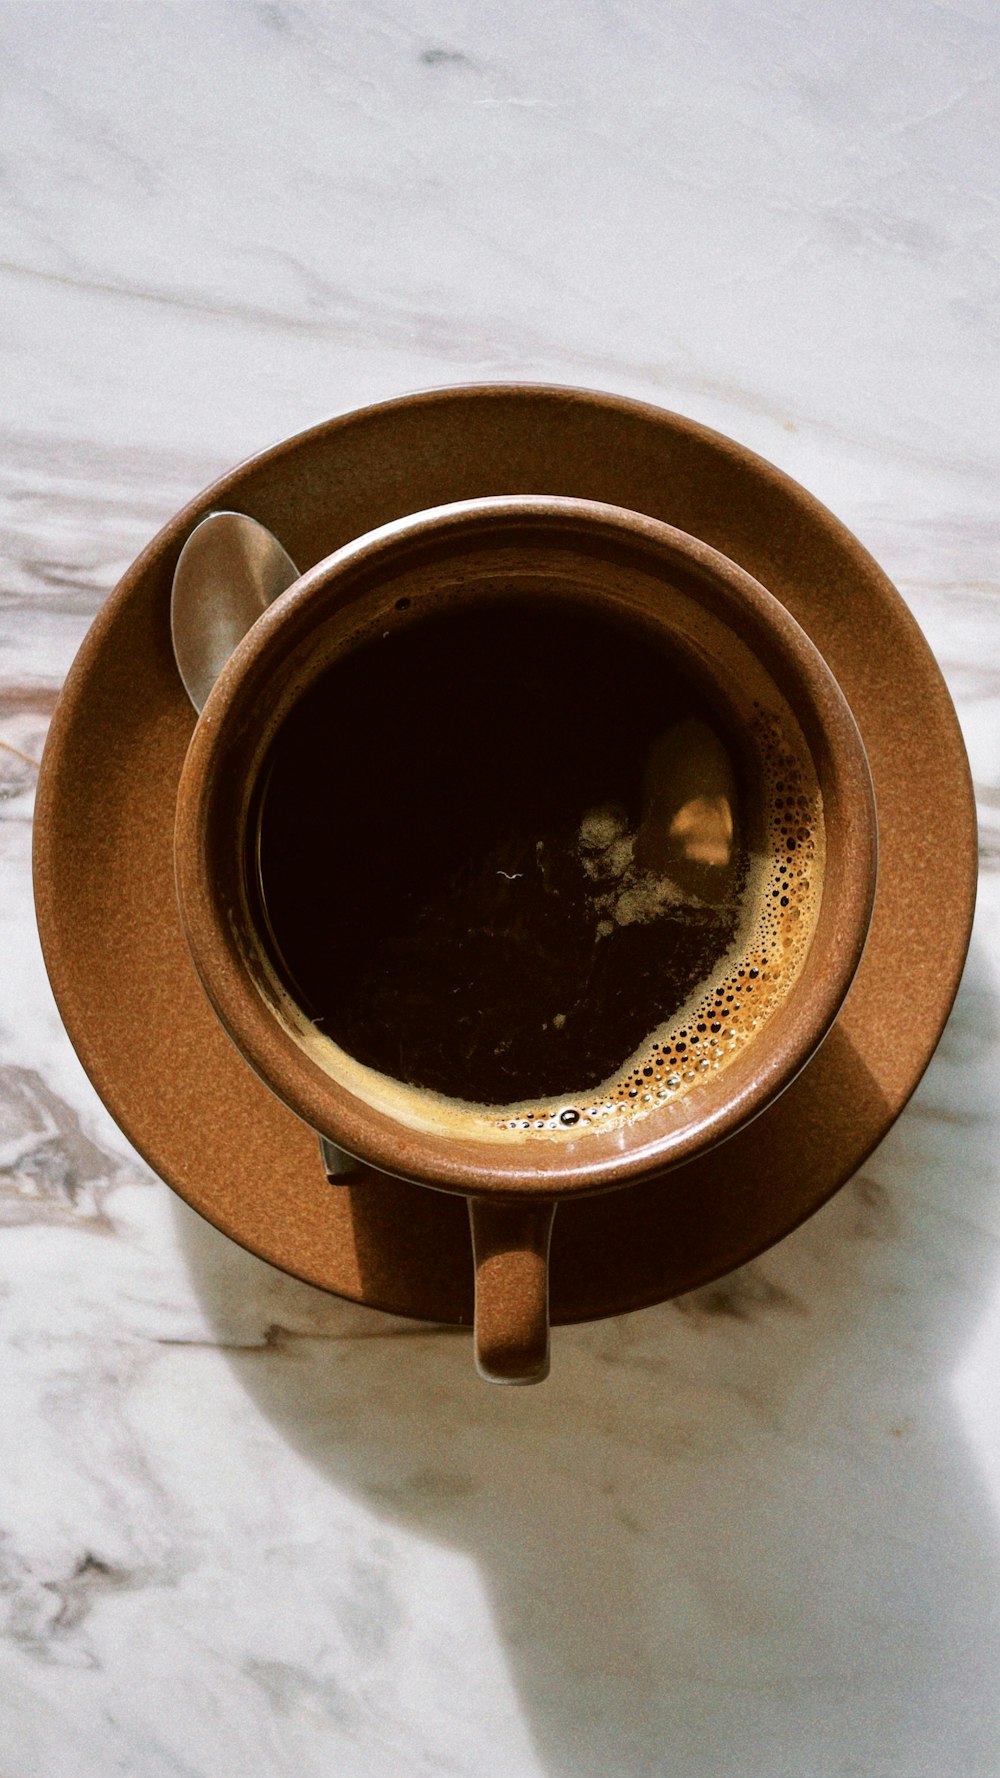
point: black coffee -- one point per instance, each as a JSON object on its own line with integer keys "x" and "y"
{"x": 499, "y": 847}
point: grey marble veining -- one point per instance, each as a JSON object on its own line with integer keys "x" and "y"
{"x": 246, "y": 1528}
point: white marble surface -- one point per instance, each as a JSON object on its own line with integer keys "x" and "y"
{"x": 246, "y": 1529}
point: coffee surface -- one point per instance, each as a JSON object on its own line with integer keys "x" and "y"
{"x": 500, "y": 848}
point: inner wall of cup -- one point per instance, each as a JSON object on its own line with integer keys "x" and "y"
{"x": 718, "y": 1026}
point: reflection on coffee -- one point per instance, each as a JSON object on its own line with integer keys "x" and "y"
{"x": 521, "y": 856}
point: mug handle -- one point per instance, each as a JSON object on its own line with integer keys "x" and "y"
{"x": 510, "y": 1247}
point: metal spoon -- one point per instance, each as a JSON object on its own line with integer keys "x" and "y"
{"x": 229, "y": 571}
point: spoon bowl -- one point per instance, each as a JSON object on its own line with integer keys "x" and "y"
{"x": 230, "y": 569}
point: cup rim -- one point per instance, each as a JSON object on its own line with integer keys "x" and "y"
{"x": 463, "y": 1163}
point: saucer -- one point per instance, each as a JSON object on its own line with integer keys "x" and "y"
{"x": 136, "y": 1014}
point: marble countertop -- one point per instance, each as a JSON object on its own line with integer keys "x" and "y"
{"x": 249, "y": 1529}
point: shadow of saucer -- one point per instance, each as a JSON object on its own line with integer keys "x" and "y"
{"x": 714, "y": 1539}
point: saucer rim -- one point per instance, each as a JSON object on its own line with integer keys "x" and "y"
{"x": 76, "y": 1013}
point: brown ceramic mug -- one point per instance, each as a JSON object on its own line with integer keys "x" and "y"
{"x": 761, "y": 1007}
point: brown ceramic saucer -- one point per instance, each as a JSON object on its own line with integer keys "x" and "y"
{"x": 128, "y": 993}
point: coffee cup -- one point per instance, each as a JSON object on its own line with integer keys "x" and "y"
{"x": 525, "y": 848}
